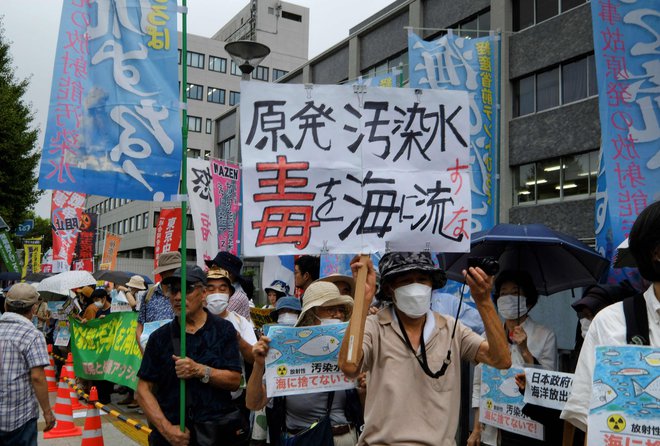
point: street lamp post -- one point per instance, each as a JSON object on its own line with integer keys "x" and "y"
{"x": 247, "y": 55}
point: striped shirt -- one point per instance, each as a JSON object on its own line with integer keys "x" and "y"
{"x": 22, "y": 347}
{"x": 239, "y": 303}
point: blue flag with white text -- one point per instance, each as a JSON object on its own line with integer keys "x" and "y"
{"x": 458, "y": 63}
{"x": 114, "y": 125}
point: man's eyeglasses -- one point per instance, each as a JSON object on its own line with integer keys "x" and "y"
{"x": 175, "y": 288}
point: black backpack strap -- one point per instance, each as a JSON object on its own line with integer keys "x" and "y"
{"x": 637, "y": 321}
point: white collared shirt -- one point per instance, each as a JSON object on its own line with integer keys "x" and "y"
{"x": 608, "y": 328}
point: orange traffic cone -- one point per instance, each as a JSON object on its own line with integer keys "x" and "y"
{"x": 49, "y": 370}
{"x": 63, "y": 415}
{"x": 93, "y": 434}
{"x": 67, "y": 372}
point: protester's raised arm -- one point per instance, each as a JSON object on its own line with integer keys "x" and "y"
{"x": 495, "y": 351}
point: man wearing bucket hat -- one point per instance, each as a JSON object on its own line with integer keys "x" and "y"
{"x": 23, "y": 356}
{"x": 323, "y": 305}
{"x": 415, "y": 353}
{"x": 156, "y": 306}
{"x": 132, "y": 289}
{"x": 276, "y": 290}
{"x": 239, "y": 301}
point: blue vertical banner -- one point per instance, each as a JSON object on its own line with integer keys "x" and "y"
{"x": 458, "y": 63}
{"x": 114, "y": 125}
{"x": 628, "y": 71}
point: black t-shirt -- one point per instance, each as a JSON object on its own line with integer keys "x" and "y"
{"x": 214, "y": 345}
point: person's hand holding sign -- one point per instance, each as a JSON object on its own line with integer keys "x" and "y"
{"x": 260, "y": 350}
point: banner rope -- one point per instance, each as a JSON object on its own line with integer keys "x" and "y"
{"x": 136, "y": 424}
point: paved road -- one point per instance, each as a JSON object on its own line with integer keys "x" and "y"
{"x": 115, "y": 432}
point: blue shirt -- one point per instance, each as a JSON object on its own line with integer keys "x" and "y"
{"x": 158, "y": 308}
{"x": 447, "y": 304}
{"x": 215, "y": 345}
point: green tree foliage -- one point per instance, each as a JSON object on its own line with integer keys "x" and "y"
{"x": 18, "y": 154}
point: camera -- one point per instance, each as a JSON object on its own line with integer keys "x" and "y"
{"x": 490, "y": 265}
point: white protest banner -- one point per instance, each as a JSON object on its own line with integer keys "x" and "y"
{"x": 501, "y": 403}
{"x": 333, "y": 169}
{"x": 304, "y": 360}
{"x": 119, "y": 303}
{"x": 547, "y": 388}
{"x": 202, "y": 208}
{"x": 63, "y": 335}
{"x": 625, "y": 397}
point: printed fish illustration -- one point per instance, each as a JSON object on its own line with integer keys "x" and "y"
{"x": 320, "y": 346}
{"x": 602, "y": 394}
{"x": 273, "y": 355}
{"x": 291, "y": 341}
{"x": 304, "y": 333}
{"x": 631, "y": 372}
{"x": 611, "y": 353}
{"x": 652, "y": 406}
{"x": 652, "y": 358}
{"x": 652, "y": 389}
{"x": 509, "y": 387}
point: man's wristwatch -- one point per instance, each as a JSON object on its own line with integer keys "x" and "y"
{"x": 207, "y": 375}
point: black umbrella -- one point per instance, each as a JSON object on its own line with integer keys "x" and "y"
{"x": 555, "y": 261}
{"x": 10, "y": 275}
{"x": 37, "y": 277}
{"x": 119, "y": 277}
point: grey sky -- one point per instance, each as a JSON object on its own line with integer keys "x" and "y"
{"x": 32, "y": 26}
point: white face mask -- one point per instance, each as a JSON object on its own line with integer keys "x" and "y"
{"x": 287, "y": 319}
{"x": 329, "y": 321}
{"x": 508, "y": 306}
{"x": 217, "y": 303}
{"x": 584, "y": 325}
{"x": 98, "y": 304}
{"x": 414, "y": 300}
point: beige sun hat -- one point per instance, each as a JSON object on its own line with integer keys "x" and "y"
{"x": 136, "y": 282}
{"x": 334, "y": 278}
{"x": 323, "y": 294}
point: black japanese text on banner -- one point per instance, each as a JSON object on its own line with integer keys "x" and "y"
{"x": 328, "y": 168}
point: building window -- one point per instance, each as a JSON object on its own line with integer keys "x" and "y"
{"x": 131, "y": 224}
{"x": 209, "y": 125}
{"x": 234, "y": 69}
{"x": 234, "y": 97}
{"x": 156, "y": 218}
{"x": 194, "y": 153}
{"x": 195, "y": 60}
{"x": 195, "y": 91}
{"x": 228, "y": 149}
{"x": 557, "y": 178}
{"x": 278, "y": 74}
{"x": 547, "y": 89}
{"x": 215, "y": 95}
{"x": 179, "y": 50}
{"x": 260, "y": 73}
{"x": 527, "y": 13}
{"x": 399, "y": 62}
{"x": 291, "y": 16}
{"x": 475, "y": 26}
{"x": 145, "y": 220}
{"x": 194, "y": 124}
{"x": 218, "y": 64}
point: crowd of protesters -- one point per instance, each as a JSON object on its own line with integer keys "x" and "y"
{"x": 408, "y": 368}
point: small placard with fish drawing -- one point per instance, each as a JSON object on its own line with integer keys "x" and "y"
{"x": 547, "y": 388}
{"x": 501, "y": 403}
{"x": 304, "y": 360}
{"x": 625, "y": 397}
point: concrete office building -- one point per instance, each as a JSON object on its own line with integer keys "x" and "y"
{"x": 550, "y": 130}
{"x": 213, "y": 88}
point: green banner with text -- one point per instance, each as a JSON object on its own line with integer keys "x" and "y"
{"x": 106, "y": 349}
{"x": 8, "y": 254}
